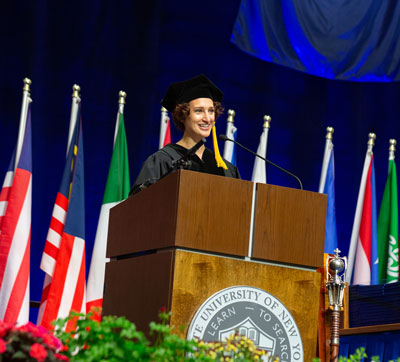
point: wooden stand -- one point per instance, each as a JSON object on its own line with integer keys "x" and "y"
{"x": 183, "y": 239}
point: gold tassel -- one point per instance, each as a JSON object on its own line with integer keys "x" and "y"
{"x": 218, "y": 158}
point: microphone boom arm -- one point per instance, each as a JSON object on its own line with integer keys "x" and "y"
{"x": 224, "y": 138}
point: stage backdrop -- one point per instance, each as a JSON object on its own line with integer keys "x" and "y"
{"x": 140, "y": 47}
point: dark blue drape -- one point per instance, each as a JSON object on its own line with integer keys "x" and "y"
{"x": 350, "y": 40}
{"x": 384, "y": 345}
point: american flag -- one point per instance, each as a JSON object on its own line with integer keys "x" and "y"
{"x": 5, "y": 191}
{"x": 63, "y": 257}
{"x": 15, "y": 236}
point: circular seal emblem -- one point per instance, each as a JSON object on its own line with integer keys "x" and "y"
{"x": 251, "y": 312}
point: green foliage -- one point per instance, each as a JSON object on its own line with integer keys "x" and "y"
{"x": 116, "y": 339}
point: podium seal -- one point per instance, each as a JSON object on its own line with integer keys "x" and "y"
{"x": 251, "y": 312}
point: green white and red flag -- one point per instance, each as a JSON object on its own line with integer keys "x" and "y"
{"x": 117, "y": 189}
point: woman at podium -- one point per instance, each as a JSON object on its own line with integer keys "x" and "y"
{"x": 195, "y": 105}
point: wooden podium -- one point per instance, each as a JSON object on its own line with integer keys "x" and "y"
{"x": 191, "y": 235}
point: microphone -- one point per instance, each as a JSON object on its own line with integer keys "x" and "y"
{"x": 182, "y": 163}
{"x": 224, "y": 138}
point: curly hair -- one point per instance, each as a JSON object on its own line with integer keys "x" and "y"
{"x": 182, "y": 110}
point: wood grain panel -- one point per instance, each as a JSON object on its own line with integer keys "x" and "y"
{"x": 289, "y": 226}
{"x": 381, "y": 328}
{"x": 138, "y": 287}
{"x": 145, "y": 221}
{"x": 188, "y": 209}
{"x": 214, "y": 213}
{"x": 198, "y": 276}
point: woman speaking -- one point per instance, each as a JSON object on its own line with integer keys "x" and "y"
{"x": 195, "y": 105}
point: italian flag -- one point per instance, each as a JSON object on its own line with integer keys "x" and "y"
{"x": 388, "y": 228}
{"x": 117, "y": 189}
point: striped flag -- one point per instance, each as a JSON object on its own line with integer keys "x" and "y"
{"x": 63, "y": 258}
{"x": 259, "y": 171}
{"x": 5, "y": 191}
{"x": 327, "y": 186}
{"x": 165, "y": 129}
{"x": 363, "y": 250}
{"x": 117, "y": 189}
{"x": 15, "y": 234}
{"x": 57, "y": 222}
{"x": 388, "y": 226}
{"x": 231, "y": 130}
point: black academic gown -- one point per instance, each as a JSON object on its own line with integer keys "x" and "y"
{"x": 159, "y": 164}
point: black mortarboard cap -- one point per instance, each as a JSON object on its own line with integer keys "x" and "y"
{"x": 187, "y": 90}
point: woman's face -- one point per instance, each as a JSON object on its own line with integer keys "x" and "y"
{"x": 200, "y": 120}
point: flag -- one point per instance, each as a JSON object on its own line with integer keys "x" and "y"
{"x": 259, "y": 172}
{"x": 7, "y": 183}
{"x": 165, "y": 130}
{"x": 15, "y": 234}
{"x": 57, "y": 222}
{"x": 363, "y": 250}
{"x": 117, "y": 189}
{"x": 64, "y": 257}
{"x": 388, "y": 228}
{"x": 327, "y": 186}
{"x": 229, "y": 147}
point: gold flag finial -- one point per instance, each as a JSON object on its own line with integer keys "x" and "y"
{"x": 371, "y": 139}
{"x": 231, "y": 115}
{"x": 392, "y": 146}
{"x": 163, "y": 109}
{"x": 75, "y": 91}
{"x": 27, "y": 84}
{"x": 329, "y": 133}
{"x": 267, "y": 121}
{"x": 122, "y": 96}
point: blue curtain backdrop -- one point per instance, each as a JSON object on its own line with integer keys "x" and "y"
{"x": 350, "y": 40}
{"x": 140, "y": 47}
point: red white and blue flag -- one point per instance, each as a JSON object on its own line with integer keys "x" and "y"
{"x": 165, "y": 129}
{"x": 63, "y": 257}
{"x": 15, "y": 236}
{"x": 5, "y": 191}
{"x": 363, "y": 251}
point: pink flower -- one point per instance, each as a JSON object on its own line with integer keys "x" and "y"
{"x": 31, "y": 328}
{"x": 51, "y": 341}
{"x": 38, "y": 352}
{"x": 4, "y": 328}
{"x": 61, "y": 357}
{"x": 2, "y": 346}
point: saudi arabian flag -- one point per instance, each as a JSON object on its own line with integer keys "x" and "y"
{"x": 388, "y": 229}
{"x": 117, "y": 189}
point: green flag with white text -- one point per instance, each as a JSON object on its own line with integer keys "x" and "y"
{"x": 388, "y": 229}
{"x": 117, "y": 189}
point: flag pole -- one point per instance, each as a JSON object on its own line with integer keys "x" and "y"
{"x": 231, "y": 116}
{"x": 121, "y": 105}
{"x": 360, "y": 201}
{"x": 163, "y": 126}
{"x": 230, "y": 130}
{"x": 267, "y": 121}
{"x": 259, "y": 171}
{"x": 392, "y": 148}
{"x": 74, "y": 112}
{"x": 26, "y": 99}
{"x": 327, "y": 154}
